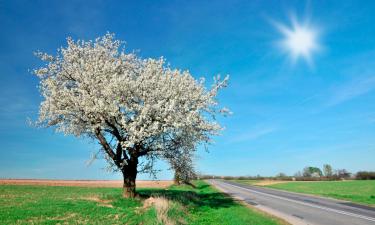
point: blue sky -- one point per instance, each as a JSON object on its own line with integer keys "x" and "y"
{"x": 285, "y": 115}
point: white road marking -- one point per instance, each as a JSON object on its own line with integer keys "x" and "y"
{"x": 304, "y": 203}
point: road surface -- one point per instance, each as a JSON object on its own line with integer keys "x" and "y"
{"x": 299, "y": 208}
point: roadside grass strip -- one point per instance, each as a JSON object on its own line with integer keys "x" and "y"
{"x": 358, "y": 191}
{"x": 175, "y": 205}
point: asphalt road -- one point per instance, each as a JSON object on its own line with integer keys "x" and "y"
{"x": 299, "y": 208}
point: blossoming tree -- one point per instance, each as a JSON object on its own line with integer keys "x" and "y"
{"x": 133, "y": 107}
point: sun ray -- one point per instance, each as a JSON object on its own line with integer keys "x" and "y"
{"x": 299, "y": 40}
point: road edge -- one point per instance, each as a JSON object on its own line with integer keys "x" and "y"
{"x": 309, "y": 195}
{"x": 283, "y": 219}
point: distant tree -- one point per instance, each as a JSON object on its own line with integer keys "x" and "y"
{"x": 312, "y": 172}
{"x": 315, "y": 174}
{"x": 133, "y": 107}
{"x": 365, "y": 175}
{"x": 281, "y": 175}
{"x": 342, "y": 174}
{"x": 181, "y": 161}
{"x": 298, "y": 174}
{"x": 306, "y": 172}
{"x": 327, "y": 169}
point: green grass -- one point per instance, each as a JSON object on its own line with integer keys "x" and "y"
{"x": 359, "y": 191}
{"x": 75, "y": 205}
{"x": 51, "y": 205}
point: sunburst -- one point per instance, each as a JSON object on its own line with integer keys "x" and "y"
{"x": 299, "y": 40}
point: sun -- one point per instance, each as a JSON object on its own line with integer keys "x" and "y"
{"x": 299, "y": 41}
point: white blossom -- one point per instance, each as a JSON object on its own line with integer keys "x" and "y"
{"x": 95, "y": 89}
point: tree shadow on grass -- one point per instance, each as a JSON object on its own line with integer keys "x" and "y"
{"x": 191, "y": 198}
{"x": 203, "y": 186}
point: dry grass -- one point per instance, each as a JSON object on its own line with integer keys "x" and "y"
{"x": 162, "y": 207}
{"x": 65, "y": 217}
{"x": 43, "y": 219}
{"x": 86, "y": 183}
{"x": 102, "y": 202}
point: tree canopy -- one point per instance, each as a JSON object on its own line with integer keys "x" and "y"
{"x": 133, "y": 107}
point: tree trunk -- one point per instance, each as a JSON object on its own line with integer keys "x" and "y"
{"x": 177, "y": 180}
{"x": 129, "y": 173}
{"x": 129, "y": 187}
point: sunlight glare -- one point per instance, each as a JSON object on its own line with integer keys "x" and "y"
{"x": 299, "y": 41}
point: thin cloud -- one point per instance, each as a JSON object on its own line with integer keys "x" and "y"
{"x": 352, "y": 90}
{"x": 254, "y": 134}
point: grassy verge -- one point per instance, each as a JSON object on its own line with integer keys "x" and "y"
{"x": 81, "y": 205}
{"x": 359, "y": 191}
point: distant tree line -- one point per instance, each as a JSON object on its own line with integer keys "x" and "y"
{"x": 365, "y": 175}
{"x": 309, "y": 173}
{"x": 328, "y": 173}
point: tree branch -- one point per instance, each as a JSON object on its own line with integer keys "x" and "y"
{"x": 105, "y": 144}
{"x": 115, "y": 131}
{"x": 118, "y": 151}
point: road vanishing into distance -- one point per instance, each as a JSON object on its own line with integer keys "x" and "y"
{"x": 299, "y": 208}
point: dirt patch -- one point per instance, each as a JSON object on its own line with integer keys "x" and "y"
{"x": 86, "y": 183}
{"x": 65, "y": 217}
{"x": 102, "y": 202}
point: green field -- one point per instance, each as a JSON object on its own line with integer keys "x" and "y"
{"x": 82, "y": 205}
{"x": 359, "y": 191}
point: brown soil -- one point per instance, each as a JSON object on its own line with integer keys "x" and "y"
{"x": 102, "y": 202}
{"x": 86, "y": 183}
